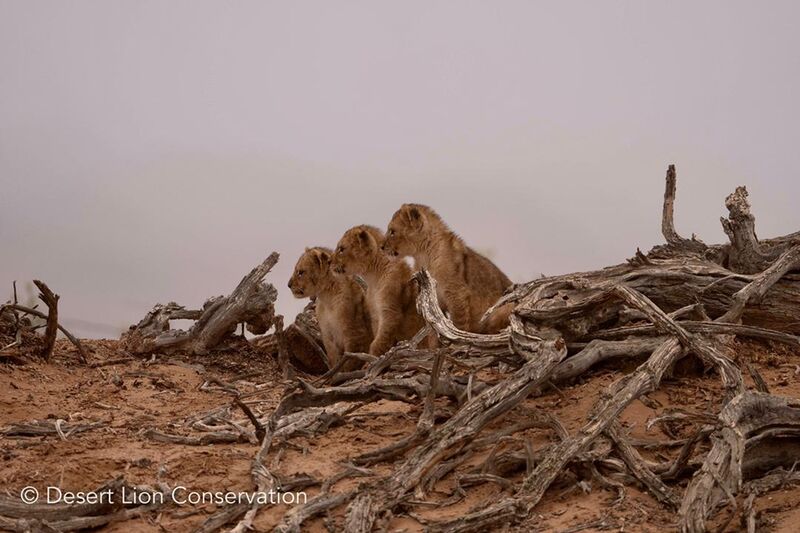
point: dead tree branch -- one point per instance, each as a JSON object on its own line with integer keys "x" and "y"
{"x": 721, "y": 475}
{"x": 251, "y": 302}
{"x": 50, "y": 299}
{"x": 27, "y": 310}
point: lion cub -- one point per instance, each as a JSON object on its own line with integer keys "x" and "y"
{"x": 341, "y": 305}
{"x": 391, "y": 297}
{"x": 467, "y": 282}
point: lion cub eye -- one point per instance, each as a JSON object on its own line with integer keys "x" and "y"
{"x": 300, "y": 273}
{"x": 341, "y": 250}
{"x": 391, "y": 233}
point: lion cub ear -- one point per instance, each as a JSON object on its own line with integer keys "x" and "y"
{"x": 364, "y": 237}
{"x": 322, "y": 258}
{"x": 416, "y": 218}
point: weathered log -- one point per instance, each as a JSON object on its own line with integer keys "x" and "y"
{"x": 428, "y": 307}
{"x": 756, "y": 289}
{"x": 303, "y": 343}
{"x": 50, "y": 299}
{"x": 307, "y": 327}
{"x": 251, "y": 303}
{"x": 731, "y": 375}
{"x": 29, "y": 311}
{"x": 597, "y": 351}
{"x": 640, "y": 470}
{"x": 721, "y": 475}
{"x": 40, "y": 428}
{"x": 294, "y": 518}
{"x": 581, "y": 304}
{"x": 745, "y": 253}
{"x": 675, "y": 241}
{"x": 708, "y": 328}
{"x": 667, "y": 216}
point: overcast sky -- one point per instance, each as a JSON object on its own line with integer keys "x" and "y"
{"x": 156, "y": 151}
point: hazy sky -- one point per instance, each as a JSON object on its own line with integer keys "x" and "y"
{"x": 156, "y": 151}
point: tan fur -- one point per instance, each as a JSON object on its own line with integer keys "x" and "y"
{"x": 341, "y": 305}
{"x": 391, "y": 296}
{"x": 467, "y": 282}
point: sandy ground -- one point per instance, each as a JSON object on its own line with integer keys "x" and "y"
{"x": 137, "y": 395}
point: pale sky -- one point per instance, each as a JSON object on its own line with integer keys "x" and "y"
{"x": 157, "y": 151}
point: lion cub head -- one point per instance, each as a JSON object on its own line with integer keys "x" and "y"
{"x": 312, "y": 267}
{"x": 357, "y": 247}
{"x": 407, "y": 230}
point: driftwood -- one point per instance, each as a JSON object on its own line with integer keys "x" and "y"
{"x": 52, "y": 327}
{"x": 302, "y": 340}
{"x": 747, "y": 418}
{"x": 74, "y": 340}
{"x": 250, "y": 303}
{"x": 40, "y": 428}
{"x": 50, "y": 299}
